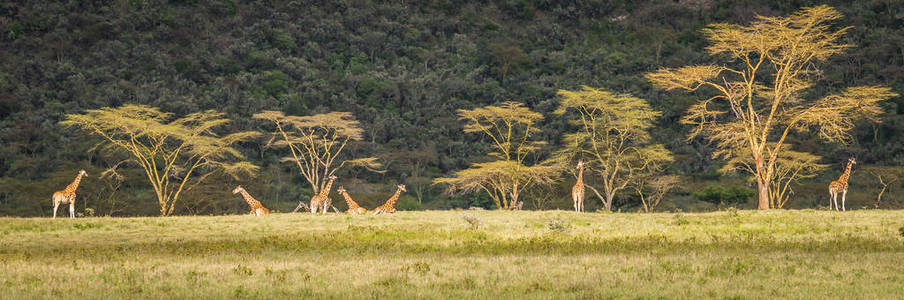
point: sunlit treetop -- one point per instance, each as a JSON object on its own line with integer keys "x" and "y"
{"x": 340, "y": 122}
{"x": 629, "y": 115}
{"x": 509, "y": 124}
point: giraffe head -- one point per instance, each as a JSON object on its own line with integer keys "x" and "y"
{"x": 341, "y": 190}
{"x": 83, "y": 173}
{"x": 238, "y": 189}
{"x": 333, "y": 177}
{"x": 580, "y": 163}
{"x": 852, "y": 161}
{"x": 402, "y": 188}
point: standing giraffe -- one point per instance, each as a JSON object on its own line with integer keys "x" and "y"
{"x": 353, "y": 207}
{"x": 577, "y": 192}
{"x": 67, "y": 195}
{"x": 321, "y": 202}
{"x": 257, "y": 208}
{"x": 841, "y": 185}
{"x": 389, "y": 206}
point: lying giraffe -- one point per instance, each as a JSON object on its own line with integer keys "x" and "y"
{"x": 257, "y": 209}
{"x": 321, "y": 202}
{"x": 389, "y": 206}
{"x": 841, "y": 185}
{"x": 67, "y": 195}
{"x": 353, "y": 207}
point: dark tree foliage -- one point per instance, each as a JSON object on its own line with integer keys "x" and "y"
{"x": 402, "y": 69}
{"x": 724, "y": 195}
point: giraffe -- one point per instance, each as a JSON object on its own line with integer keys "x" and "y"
{"x": 389, "y": 206}
{"x": 577, "y": 192}
{"x": 353, "y": 207}
{"x": 67, "y": 195}
{"x": 321, "y": 201}
{"x": 841, "y": 185}
{"x": 257, "y": 209}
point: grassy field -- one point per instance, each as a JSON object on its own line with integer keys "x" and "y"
{"x": 437, "y": 254}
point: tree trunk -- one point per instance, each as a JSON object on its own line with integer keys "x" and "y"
{"x": 514, "y": 201}
{"x": 608, "y": 203}
{"x": 879, "y": 197}
{"x": 763, "y": 203}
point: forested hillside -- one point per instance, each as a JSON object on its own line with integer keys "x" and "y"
{"x": 402, "y": 69}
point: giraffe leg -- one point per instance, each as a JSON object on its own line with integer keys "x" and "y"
{"x": 830, "y": 199}
{"x": 72, "y": 209}
{"x": 835, "y": 199}
{"x": 843, "y": 196}
{"x": 56, "y": 205}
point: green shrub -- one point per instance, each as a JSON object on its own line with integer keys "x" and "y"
{"x": 722, "y": 195}
{"x": 277, "y": 83}
{"x": 407, "y": 202}
{"x": 359, "y": 65}
{"x": 522, "y": 9}
{"x": 282, "y": 40}
{"x": 181, "y": 65}
{"x": 469, "y": 200}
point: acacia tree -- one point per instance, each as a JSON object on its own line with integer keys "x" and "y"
{"x": 506, "y": 58}
{"x": 613, "y": 137}
{"x": 760, "y": 91}
{"x": 175, "y": 155}
{"x": 885, "y": 176}
{"x": 510, "y": 126}
{"x": 316, "y": 142}
{"x": 790, "y": 168}
{"x": 658, "y": 187}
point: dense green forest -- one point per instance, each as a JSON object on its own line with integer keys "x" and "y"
{"x": 402, "y": 69}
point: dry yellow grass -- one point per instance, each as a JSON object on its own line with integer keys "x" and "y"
{"x": 437, "y": 254}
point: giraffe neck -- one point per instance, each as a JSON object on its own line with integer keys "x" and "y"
{"x": 74, "y": 185}
{"x": 251, "y": 201}
{"x": 348, "y": 200}
{"x": 847, "y": 174}
{"x": 581, "y": 175}
{"x": 392, "y": 201}
{"x": 326, "y": 190}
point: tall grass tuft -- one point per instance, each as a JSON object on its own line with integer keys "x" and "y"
{"x": 472, "y": 220}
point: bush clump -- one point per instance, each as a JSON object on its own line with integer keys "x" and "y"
{"x": 723, "y": 195}
{"x": 408, "y": 203}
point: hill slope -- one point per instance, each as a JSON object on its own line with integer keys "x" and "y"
{"x": 401, "y": 68}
